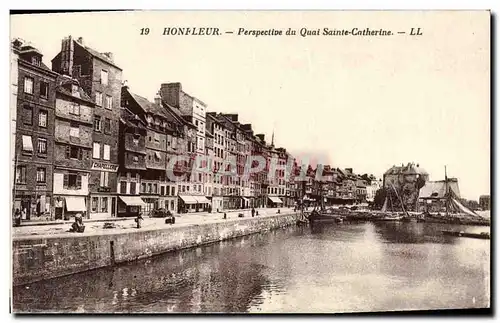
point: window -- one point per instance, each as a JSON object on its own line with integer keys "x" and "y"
{"x": 40, "y": 175}
{"x": 105, "y": 155}
{"x": 28, "y": 85}
{"x": 132, "y": 188}
{"x": 44, "y": 89}
{"x": 149, "y": 187}
{"x": 98, "y": 98}
{"x": 94, "y": 204}
{"x": 157, "y": 137}
{"x": 104, "y": 77}
{"x": 97, "y": 123}
{"x": 107, "y": 125}
{"x": 135, "y": 159}
{"x": 74, "y": 131}
{"x": 74, "y": 152}
{"x": 155, "y": 188}
{"x": 28, "y": 115}
{"x": 21, "y": 175}
{"x": 173, "y": 190}
{"x": 109, "y": 102}
{"x": 162, "y": 190}
{"x": 27, "y": 144}
{"x": 96, "y": 153}
{"x": 72, "y": 181}
{"x": 42, "y": 118}
{"x": 35, "y": 60}
{"x": 42, "y": 146}
{"x": 168, "y": 190}
{"x": 123, "y": 187}
{"x": 104, "y": 204}
{"x": 143, "y": 188}
{"x": 104, "y": 179}
{"x": 74, "y": 108}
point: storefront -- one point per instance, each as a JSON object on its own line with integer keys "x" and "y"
{"x": 275, "y": 201}
{"x": 130, "y": 206}
{"x": 193, "y": 203}
{"x": 66, "y": 207}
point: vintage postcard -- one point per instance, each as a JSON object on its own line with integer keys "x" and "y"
{"x": 250, "y": 161}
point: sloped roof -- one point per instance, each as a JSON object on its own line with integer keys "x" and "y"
{"x": 408, "y": 169}
{"x": 96, "y": 54}
{"x": 437, "y": 189}
{"x": 147, "y": 106}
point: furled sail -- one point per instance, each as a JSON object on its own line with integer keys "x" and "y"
{"x": 384, "y": 207}
{"x": 462, "y": 208}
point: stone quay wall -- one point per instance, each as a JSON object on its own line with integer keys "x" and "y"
{"x": 45, "y": 257}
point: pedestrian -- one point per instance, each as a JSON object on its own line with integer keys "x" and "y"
{"x": 17, "y": 218}
{"x": 225, "y": 216}
{"x": 139, "y": 220}
{"x": 253, "y": 212}
{"x": 23, "y": 213}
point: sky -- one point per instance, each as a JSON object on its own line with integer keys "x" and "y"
{"x": 367, "y": 103}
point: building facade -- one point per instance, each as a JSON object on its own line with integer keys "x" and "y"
{"x": 101, "y": 79}
{"x": 74, "y": 116}
{"x": 34, "y": 135}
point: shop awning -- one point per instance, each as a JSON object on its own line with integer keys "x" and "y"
{"x": 75, "y": 204}
{"x": 275, "y": 199}
{"x": 27, "y": 144}
{"x": 201, "y": 199}
{"x": 188, "y": 199}
{"x": 132, "y": 200}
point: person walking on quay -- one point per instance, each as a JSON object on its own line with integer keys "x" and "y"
{"x": 253, "y": 212}
{"x": 17, "y": 218}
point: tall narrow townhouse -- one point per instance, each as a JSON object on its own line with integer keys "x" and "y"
{"x": 74, "y": 116}
{"x": 101, "y": 79}
{"x": 34, "y": 134}
{"x": 250, "y": 177}
{"x": 262, "y": 177}
{"x": 132, "y": 160}
{"x": 15, "y": 47}
{"x": 193, "y": 113}
{"x": 281, "y": 175}
{"x": 208, "y": 173}
{"x": 153, "y": 180}
{"x": 231, "y": 199}
{"x": 217, "y": 129}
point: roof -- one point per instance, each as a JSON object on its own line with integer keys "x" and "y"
{"x": 437, "y": 189}
{"x": 147, "y": 106}
{"x": 41, "y": 66}
{"x": 174, "y": 113}
{"x": 83, "y": 95}
{"x": 97, "y": 54}
{"x": 410, "y": 168}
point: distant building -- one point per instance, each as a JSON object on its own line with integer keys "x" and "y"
{"x": 403, "y": 184}
{"x": 485, "y": 202}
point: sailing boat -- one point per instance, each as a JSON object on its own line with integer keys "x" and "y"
{"x": 456, "y": 212}
{"x": 390, "y": 215}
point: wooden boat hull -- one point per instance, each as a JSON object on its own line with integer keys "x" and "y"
{"x": 466, "y": 234}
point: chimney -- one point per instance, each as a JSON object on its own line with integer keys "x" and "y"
{"x": 157, "y": 98}
{"x": 170, "y": 93}
{"x": 109, "y": 55}
{"x": 67, "y": 51}
{"x": 17, "y": 43}
{"x": 80, "y": 40}
{"x": 261, "y": 137}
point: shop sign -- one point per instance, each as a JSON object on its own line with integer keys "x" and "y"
{"x": 104, "y": 167}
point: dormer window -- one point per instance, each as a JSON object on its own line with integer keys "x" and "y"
{"x": 74, "y": 90}
{"x": 35, "y": 60}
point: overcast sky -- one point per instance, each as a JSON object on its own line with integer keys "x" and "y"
{"x": 361, "y": 102}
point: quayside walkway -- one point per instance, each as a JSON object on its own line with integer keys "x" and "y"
{"x": 128, "y": 224}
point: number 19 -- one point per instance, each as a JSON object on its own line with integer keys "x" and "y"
{"x": 144, "y": 31}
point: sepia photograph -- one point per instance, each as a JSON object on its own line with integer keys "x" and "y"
{"x": 290, "y": 162}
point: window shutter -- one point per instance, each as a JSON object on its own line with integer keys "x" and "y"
{"x": 65, "y": 181}
{"x": 79, "y": 181}
{"x": 102, "y": 179}
{"x": 67, "y": 152}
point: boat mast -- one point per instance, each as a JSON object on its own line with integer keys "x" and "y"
{"x": 446, "y": 190}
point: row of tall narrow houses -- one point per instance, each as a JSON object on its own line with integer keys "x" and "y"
{"x": 86, "y": 143}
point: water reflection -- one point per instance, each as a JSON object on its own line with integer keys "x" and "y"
{"x": 319, "y": 268}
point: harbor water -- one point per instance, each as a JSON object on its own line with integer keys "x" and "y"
{"x": 327, "y": 268}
